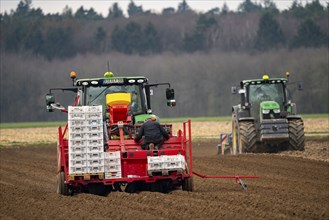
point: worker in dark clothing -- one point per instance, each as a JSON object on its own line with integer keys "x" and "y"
{"x": 154, "y": 135}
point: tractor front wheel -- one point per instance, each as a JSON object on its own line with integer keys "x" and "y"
{"x": 296, "y": 135}
{"x": 246, "y": 138}
{"x": 62, "y": 187}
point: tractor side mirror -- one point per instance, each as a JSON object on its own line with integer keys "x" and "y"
{"x": 300, "y": 86}
{"x": 234, "y": 90}
{"x": 170, "y": 95}
{"x": 50, "y": 99}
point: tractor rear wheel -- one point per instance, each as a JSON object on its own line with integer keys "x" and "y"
{"x": 62, "y": 187}
{"x": 247, "y": 137}
{"x": 188, "y": 184}
{"x": 296, "y": 135}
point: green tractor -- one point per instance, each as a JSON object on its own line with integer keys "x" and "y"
{"x": 266, "y": 120}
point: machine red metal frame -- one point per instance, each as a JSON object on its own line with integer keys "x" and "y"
{"x": 133, "y": 159}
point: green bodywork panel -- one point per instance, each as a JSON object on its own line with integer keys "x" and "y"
{"x": 269, "y": 105}
{"x": 140, "y": 119}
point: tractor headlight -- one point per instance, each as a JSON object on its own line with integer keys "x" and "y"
{"x": 266, "y": 111}
{"x": 276, "y": 111}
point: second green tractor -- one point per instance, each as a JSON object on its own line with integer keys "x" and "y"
{"x": 266, "y": 120}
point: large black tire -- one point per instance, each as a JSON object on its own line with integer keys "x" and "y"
{"x": 296, "y": 135}
{"x": 247, "y": 137}
{"x": 62, "y": 187}
{"x": 188, "y": 184}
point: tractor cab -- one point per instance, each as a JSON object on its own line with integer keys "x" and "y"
{"x": 93, "y": 92}
{"x": 100, "y": 91}
{"x": 265, "y": 97}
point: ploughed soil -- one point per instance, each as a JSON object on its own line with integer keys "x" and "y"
{"x": 292, "y": 185}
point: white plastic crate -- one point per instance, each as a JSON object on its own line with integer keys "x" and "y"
{"x": 94, "y": 109}
{"x": 95, "y": 156}
{"x": 154, "y": 163}
{"x": 95, "y": 149}
{"x": 77, "y": 163}
{"x": 112, "y": 161}
{"x": 96, "y": 169}
{"x": 93, "y": 122}
{"x": 77, "y": 170}
{"x": 77, "y": 149}
{"x": 77, "y": 123}
{"x": 77, "y": 143}
{"x": 77, "y": 156}
{"x": 112, "y": 168}
{"x": 112, "y": 155}
{"x": 77, "y": 129}
{"x": 94, "y": 116}
{"x": 165, "y": 162}
{"x": 76, "y": 109}
{"x": 95, "y": 142}
{"x": 113, "y": 175}
{"x": 77, "y": 136}
{"x": 94, "y": 128}
{"x": 94, "y": 135}
{"x": 76, "y": 116}
{"x": 96, "y": 162}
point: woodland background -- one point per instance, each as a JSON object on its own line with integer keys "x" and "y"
{"x": 201, "y": 54}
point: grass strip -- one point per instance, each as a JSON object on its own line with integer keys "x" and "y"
{"x": 16, "y": 125}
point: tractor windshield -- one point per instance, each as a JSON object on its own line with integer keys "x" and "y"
{"x": 96, "y": 96}
{"x": 258, "y": 93}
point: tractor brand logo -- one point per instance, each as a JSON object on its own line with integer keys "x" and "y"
{"x": 112, "y": 81}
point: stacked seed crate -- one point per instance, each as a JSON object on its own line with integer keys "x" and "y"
{"x": 86, "y": 153}
{"x": 165, "y": 163}
{"x": 112, "y": 165}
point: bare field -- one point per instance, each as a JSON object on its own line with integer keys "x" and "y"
{"x": 24, "y": 136}
{"x": 288, "y": 188}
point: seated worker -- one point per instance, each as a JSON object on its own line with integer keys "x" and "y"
{"x": 154, "y": 135}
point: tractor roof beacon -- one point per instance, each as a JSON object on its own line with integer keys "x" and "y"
{"x": 266, "y": 120}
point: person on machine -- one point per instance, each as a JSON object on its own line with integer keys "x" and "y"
{"x": 153, "y": 135}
